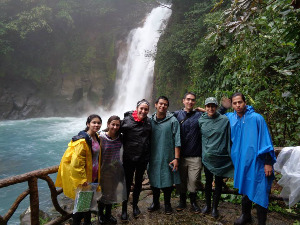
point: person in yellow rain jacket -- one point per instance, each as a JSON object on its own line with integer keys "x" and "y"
{"x": 80, "y": 163}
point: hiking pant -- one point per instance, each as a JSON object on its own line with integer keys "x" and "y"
{"x": 136, "y": 169}
{"x": 190, "y": 174}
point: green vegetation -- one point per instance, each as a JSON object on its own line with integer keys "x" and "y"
{"x": 43, "y": 220}
{"x": 216, "y": 48}
{"x": 44, "y": 41}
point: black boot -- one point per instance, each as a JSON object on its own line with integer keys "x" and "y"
{"x": 261, "y": 215}
{"x": 87, "y": 218}
{"x": 216, "y": 199}
{"x": 194, "y": 206}
{"x": 182, "y": 202}
{"x": 246, "y": 212}
{"x": 124, "y": 216}
{"x": 206, "y": 209}
{"x": 135, "y": 209}
{"x": 217, "y": 196}
{"x": 155, "y": 204}
{"x": 77, "y": 218}
{"x": 108, "y": 217}
{"x": 101, "y": 218}
{"x": 168, "y": 209}
{"x": 167, "y": 200}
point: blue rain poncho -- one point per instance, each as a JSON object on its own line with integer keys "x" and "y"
{"x": 251, "y": 140}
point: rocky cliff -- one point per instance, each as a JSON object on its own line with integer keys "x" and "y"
{"x": 70, "y": 69}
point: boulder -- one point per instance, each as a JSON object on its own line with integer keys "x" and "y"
{"x": 25, "y": 217}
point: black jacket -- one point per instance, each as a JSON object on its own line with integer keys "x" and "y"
{"x": 136, "y": 138}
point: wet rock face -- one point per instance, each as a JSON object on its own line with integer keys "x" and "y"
{"x": 20, "y": 99}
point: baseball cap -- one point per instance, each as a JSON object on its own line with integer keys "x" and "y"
{"x": 211, "y": 100}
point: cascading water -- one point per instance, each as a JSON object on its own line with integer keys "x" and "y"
{"x": 27, "y": 145}
{"x": 135, "y": 69}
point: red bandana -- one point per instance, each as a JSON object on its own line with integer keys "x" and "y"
{"x": 135, "y": 116}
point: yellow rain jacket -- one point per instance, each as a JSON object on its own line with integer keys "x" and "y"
{"x": 76, "y": 165}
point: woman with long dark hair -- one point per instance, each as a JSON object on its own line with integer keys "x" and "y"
{"x": 80, "y": 163}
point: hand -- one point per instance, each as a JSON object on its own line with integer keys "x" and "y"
{"x": 199, "y": 109}
{"x": 268, "y": 170}
{"x": 175, "y": 164}
{"x": 84, "y": 184}
{"x": 226, "y": 102}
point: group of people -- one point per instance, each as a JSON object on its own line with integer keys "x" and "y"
{"x": 173, "y": 148}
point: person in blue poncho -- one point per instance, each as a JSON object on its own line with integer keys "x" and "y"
{"x": 253, "y": 156}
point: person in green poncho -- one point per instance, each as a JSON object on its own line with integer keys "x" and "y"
{"x": 215, "y": 133}
{"x": 164, "y": 154}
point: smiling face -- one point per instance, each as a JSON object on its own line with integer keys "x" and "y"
{"x": 161, "y": 106}
{"x": 94, "y": 126}
{"x": 142, "y": 111}
{"x": 189, "y": 102}
{"x": 211, "y": 109}
{"x": 239, "y": 105}
{"x": 113, "y": 126}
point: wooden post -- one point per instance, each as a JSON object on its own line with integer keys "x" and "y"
{"x": 34, "y": 201}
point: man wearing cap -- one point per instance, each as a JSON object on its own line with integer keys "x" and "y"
{"x": 253, "y": 155}
{"x": 215, "y": 133}
{"x": 190, "y": 155}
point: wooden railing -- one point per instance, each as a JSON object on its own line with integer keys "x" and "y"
{"x": 32, "y": 191}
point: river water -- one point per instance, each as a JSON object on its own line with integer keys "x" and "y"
{"x": 27, "y": 145}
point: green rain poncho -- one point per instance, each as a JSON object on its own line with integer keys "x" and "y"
{"x": 215, "y": 132}
{"x": 165, "y": 137}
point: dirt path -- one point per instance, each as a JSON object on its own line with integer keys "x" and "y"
{"x": 228, "y": 213}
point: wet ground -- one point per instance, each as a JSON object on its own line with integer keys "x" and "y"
{"x": 228, "y": 213}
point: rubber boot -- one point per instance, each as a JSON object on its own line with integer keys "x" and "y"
{"x": 155, "y": 204}
{"x": 246, "y": 212}
{"x": 101, "y": 218}
{"x": 108, "y": 217}
{"x": 182, "y": 202}
{"x": 217, "y": 196}
{"x": 135, "y": 209}
{"x": 77, "y": 218}
{"x": 261, "y": 215}
{"x": 207, "y": 207}
{"x": 167, "y": 201}
{"x": 216, "y": 199}
{"x": 124, "y": 216}
{"x": 87, "y": 218}
{"x": 194, "y": 206}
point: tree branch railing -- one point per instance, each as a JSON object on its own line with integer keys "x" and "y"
{"x": 32, "y": 191}
{"x": 43, "y": 174}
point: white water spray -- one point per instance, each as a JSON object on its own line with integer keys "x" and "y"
{"x": 135, "y": 69}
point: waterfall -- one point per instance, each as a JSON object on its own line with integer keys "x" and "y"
{"x": 134, "y": 68}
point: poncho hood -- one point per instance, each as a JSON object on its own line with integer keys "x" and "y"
{"x": 205, "y": 116}
{"x": 168, "y": 116}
